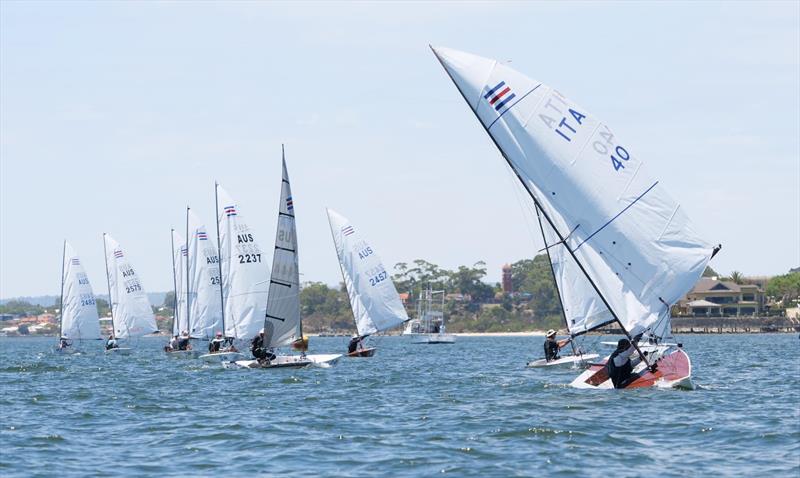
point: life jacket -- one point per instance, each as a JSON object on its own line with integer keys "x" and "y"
{"x": 618, "y": 374}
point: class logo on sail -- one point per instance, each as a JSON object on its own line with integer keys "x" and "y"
{"x": 75, "y": 261}
{"x": 289, "y": 204}
{"x": 230, "y": 211}
{"x": 202, "y": 236}
{"x": 347, "y": 230}
{"x": 184, "y": 251}
{"x": 118, "y": 254}
{"x": 499, "y": 96}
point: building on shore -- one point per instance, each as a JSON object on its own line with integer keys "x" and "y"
{"x": 508, "y": 286}
{"x": 712, "y": 297}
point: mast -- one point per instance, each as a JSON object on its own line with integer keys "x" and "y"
{"x": 296, "y": 255}
{"x": 108, "y": 283}
{"x": 174, "y": 281}
{"x": 61, "y": 309}
{"x": 188, "y": 292}
{"x": 544, "y": 213}
{"x": 219, "y": 257}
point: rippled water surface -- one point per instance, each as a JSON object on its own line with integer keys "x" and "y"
{"x": 466, "y": 409}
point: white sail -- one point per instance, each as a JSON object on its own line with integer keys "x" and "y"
{"x": 283, "y": 302}
{"x": 180, "y": 319}
{"x": 583, "y": 308}
{"x": 244, "y": 271}
{"x": 79, "y": 319}
{"x": 634, "y": 241}
{"x": 206, "y": 302}
{"x": 373, "y": 297}
{"x": 130, "y": 308}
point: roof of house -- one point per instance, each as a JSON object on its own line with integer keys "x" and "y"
{"x": 707, "y": 284}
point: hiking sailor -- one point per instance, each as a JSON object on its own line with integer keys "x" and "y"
{"x": 551, "y": 346}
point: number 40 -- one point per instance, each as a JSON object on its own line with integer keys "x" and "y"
{"x": 622, "y": 153}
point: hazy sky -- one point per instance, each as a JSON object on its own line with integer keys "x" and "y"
{"x": 116, "y": 115}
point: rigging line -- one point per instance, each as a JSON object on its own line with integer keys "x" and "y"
{"x": 618, "y": 215}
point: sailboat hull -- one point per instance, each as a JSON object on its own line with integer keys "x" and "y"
{"x": 288, "y": 361}
{"x": 119, "y": 351}
{"x": 183, "y": 354}
{"x": 569, "y": 360}
{"x": 674, "y": 370}
{"x": 220, "y": 357}
{"x": 369, "y": 352}
{"x": 433, "y": 339}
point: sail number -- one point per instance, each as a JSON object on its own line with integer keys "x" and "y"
{"x": 133, "y": 287}
{"x": 87, "y": 299}
{"x": 378, "y": 278}
{"x": 249, "y": 258}
{"x": 214, "y": 280}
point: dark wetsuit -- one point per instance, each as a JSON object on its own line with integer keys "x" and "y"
{"x": 620, "y": 375}
{"x": 353, "y": 345}
{"x": 551, "y": 350}
{"x": 259, "y": 351}
{"x": 183, "y": 344}
{"x": 214, "y": 345}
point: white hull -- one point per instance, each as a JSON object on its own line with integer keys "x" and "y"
{"x": 183, "y": 354}
{"x": 119, "y": 351}
{"x": 569, "y": 360}
{"x": 67, "y": 350}
{"x": 433, "y": 339}
{"x": 288, "y": 361}
{"x": 220, "y": 357}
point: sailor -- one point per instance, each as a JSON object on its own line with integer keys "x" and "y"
{"x": 258, "y": 349}
{"x": 111, "y": 343}
{"x": 183, "y": 342}
{"x": 355, "y": 344}
{"x": 216, "y": 343}
{"x": 64, "y": 342}
{"x": 551, "y": 346}
{"x": 172, "y": 345}
{"x": 619, "y": 366}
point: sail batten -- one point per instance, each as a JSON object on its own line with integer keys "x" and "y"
{"x": 628, "y": 238}
{"x": 373, "y": 297}
{"x": 79, "y": 318}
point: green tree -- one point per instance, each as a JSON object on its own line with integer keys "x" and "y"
{"x": 737, "y": 277}
{"x": 785, "y": 288}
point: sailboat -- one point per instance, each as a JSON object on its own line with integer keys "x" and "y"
{"x": 429, "y": 326}
{"x": 131, "y": 313}
{"x": 79, "y": 319}
{"x": 373, "y": 298}
{"x": 243, "y": 279}
{"x": 283, "y": 325}
{"x": 632, "y": 242}
{"x": 205, "y": 308}
{"x": 180, "y": 315}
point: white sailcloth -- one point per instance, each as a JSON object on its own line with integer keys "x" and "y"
{"x": 130, "y": 308}
{"x": 373, "y": 297}
{"x": 79, "y": 319}
{"x": 583, "y": 308}
{"x": 205, "y": 305}
{"x": 244, "y": 272}
{"x": 283, "y": 303}
{"x": 180, "y": 319}
{"x": 635, "y": 242}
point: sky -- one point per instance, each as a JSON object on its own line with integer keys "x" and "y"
{"x": 114, "y": 116}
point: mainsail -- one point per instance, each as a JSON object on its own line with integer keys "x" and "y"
{"x": 180, "y": 319}
{"x": 244, "y": 274}
{"x": 373, "y": 297}
{"x": 634, "y": 243}
{"x": 79, "y": 319}
{"x": 131, "y": 313}
{"x": 282, "y": 324}
{"x": 205, "y": 308}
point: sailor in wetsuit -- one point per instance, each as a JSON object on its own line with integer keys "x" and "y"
{"x": 259, "y": 351}
{"x": 619, "y": 366}
{"x": 183, "y": 342}
{"x": 64, "y": 342}
{"x": 216, "y": 343}
{"x": 111, "y": 343}
{"x": 355, "y": 344}
{"x": 552, "y": 346}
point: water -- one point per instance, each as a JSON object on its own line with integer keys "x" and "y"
{"x": 469, "y": 409}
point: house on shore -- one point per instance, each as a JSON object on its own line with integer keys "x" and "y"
{"x": 711, "y": 297}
